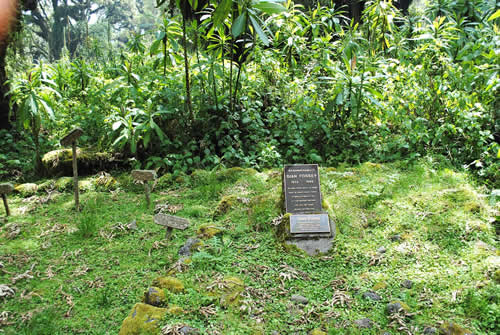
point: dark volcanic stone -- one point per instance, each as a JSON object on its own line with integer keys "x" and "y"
{"x": 381, "y": 250}
{"x": 187, "y": 248}
{"x": 394, "y": 307}
{"x": 299, "y": 299}
{"x": 372, "y": 296}
{"x": 395, "y": 238}
{"x": 407, "y": 284}
{"x": 364, "y": 323}
{"x": 430, "y": 331}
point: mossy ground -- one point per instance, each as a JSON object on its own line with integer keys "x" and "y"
{"x": 85, "y": 272}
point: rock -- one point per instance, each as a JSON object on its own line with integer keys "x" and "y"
{"x": 154, "y": 296}
{"x": 381, "y": 250}
{"x": 6, "y": 292}
{"x": 395, "y": 238}
{"x": 175, "y": 310}
{"x": 169, "y": 283}
{"x": 208, "y": 231}
{"x": 143, "y": 319}
{"x": 132, "y": 225}
{"x": 225, "y": 204}
{"x": 60, "y": 162}
{"x": 449, "y": 328}
{"x": 407, "y": 284}
{"x": 299, "y": 299}
{"x": 379, "y": 286}
{"x": 394, "y": 307}
{"x": 317, "y": 331}
{"x": 105, "y": 182}
{"x": 64, "y": 184}
{"x": 187, "y": 330}
{"x": 230, "y": 295}
{"x": 275, "y": 332}
{"x": 26, "y": 189}
{"x": 372, "y": 296}
{"x": 364, "y": 323}
{"x": 430, "y": 331}
{"x": 189, "y": 246}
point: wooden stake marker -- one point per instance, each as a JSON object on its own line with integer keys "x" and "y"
{"x": 144, "y": 176}
{"x": 4, "y": 190}
{"x": 170, "y": 222}
{"x": 67, "y": 140}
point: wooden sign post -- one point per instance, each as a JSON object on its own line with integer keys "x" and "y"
{"x": 144, "y": 176}
{"x": 67, "y": 140}
{"x": 4, "y": 190}
{"x": 170, "y": 222}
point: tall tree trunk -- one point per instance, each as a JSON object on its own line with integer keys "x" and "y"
{"x": 186, "y": 70}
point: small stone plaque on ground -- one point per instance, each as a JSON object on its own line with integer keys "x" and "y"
{"x": 309, "y": 223}
{"x": 171, "y": 221}
{"x": 144, "y": 175}
{"x": 302, "y": 190}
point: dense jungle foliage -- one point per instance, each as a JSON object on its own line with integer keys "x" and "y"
{"x": 197, "y": 84}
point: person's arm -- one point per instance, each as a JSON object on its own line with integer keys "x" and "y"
{"x": 7, "y": 16}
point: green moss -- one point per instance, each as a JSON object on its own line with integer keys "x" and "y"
{"x": 283, "y": 229}
{"x": 380, "y": 286}
{"x": 175, "y": 310}
{"x": 449, "y": 328}
{"x": 26, "y": 189}
{"x": 233, "y": 174}
{"x": 164, "y": 182}
{"x": 86, "y": 185}
{"x": 64, "y": 184}
{"x": 46, "y": 185}
{"x": 142, "y": 319}
{"x": 105, "y": 183}
{"x": 263, "y": 209}
{"x": 317, "y": 331}
{"x": 201, "y": 177}
{"x": 208, "y": 231}
{"x": 229, "y": 292}
{"x": 154, "y": 296}
{"x": 225, "y": 204}
{"x": 60, "y": 162}
{"x": 169, "y": 283}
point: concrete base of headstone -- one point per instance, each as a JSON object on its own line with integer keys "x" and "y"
{"x": 312, "y": 246}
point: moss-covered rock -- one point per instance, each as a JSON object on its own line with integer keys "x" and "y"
{"x": 175, "y": 310}
{"x": 208, "y": 231}
{"x": 169, "y": 283}
{"x": 380, "y": 286}
{"x": 201, "y": 177}
{"x": 225, "y": 204}
{"x": 46, "y": 185}
{"x": 86, "y": 185}
{"x": 143, "y": 319}
{"x": 263, "y": 209}
{"x": 60, "y": 162}
{"x": 317, "y": 331}
{"x": 233, "y": 174}
{"x": 26, "y": 189}
{"x": 283, "y": 228}
{"x": 105, "y": 182}
{"x": 154, "y": 296}
{"x": 228, "y": 291}
{"x": 449, "y": 328}
{"x": 64, "y": 184}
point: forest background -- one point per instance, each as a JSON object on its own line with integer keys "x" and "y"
{"x": 187, "y": 84}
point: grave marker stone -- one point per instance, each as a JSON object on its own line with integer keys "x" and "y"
{"x": 4, "y": 190}
{"x": 71, "y": 138}
{"x": 170, "y": 222}
{"x": 310, "y": 227}
{"x": 144, "y": 176}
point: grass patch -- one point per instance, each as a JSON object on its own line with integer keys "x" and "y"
{"x": 84, "y": 272}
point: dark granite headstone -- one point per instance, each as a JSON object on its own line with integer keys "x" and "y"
{"x": 302, "y": 191}
{"x": 310, "y": 227}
